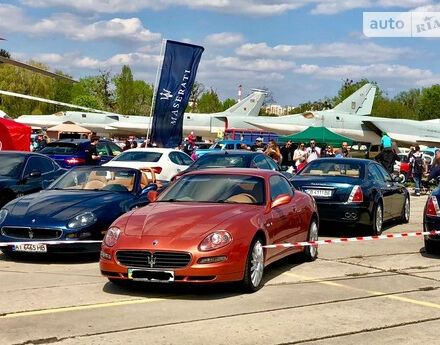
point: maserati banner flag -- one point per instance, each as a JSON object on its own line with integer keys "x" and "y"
{"x": 177, "y": 77}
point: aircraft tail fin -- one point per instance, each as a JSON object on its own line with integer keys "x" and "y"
{"x": 358, "y": 103}
{"x": 250, "y": 106}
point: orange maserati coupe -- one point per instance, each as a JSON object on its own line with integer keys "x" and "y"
{"x": 211, "y": 226}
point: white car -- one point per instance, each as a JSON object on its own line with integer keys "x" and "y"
{"x": 166, "y": 162}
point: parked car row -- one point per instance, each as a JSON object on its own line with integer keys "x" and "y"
{"x": 208, "y": 225}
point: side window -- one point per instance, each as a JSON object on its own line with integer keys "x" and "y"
{"x": 42, "y": 165}
{"x": 229, "y": 146}
{"x": 103, "y": 149}
{"x": 185, "y": 159}
{"x": 272, "y": 164}
{"x": 115, "y": 149}
{"x": 374, "y": 170}
{"x": 384, "y": 173}
{"x": 260, "y": 162}
{"x": 175, "y": 158}
{"x": 278, "y": 186}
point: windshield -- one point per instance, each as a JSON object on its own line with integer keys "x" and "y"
{"x": 111, "y": 179}
{"x": 11, "y": 165}
{"x": 216, "y": 188}
{"x": 221, "y": 161}
{"x": 60, "y": 149}
{"x": 138, "y": 156}
{"x": 333, "y": 168}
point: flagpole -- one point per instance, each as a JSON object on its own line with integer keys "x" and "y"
{"x": 153, "y": 100}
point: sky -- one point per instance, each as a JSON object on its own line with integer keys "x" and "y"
{"x": 300, "y": 50}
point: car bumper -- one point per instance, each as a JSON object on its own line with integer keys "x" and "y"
{"x": 349, "y": 214}
{"x": 432, "y": 224}
{"x": 229, "y": 270}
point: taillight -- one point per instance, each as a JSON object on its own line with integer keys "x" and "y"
{"x": 75, "y": 161}
{"x": 432, "y": 209}
{"x": 157, "y": 170}
{"x": 356, "y": 194}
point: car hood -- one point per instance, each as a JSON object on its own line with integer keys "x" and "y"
{"x": 53, "y": 206}
{"x": 183, "y": 220}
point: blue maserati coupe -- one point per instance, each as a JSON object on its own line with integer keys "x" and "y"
{"x": 80, "y": 205}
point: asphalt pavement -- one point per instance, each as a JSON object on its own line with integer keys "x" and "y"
{"x": 376, "y": 292}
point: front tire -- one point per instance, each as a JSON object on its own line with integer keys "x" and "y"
{"x": 377, "y": 220}
{"x": 311, "y": 252}
{"x": 431, "y": 247}
{"x": 254, "y": 270}
{"x": 406, "y": 211}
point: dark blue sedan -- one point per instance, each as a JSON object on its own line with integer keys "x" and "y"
{"x": 356, "y": 192}
{"x": 70, "y": 153}
{"x": 78, "y": 206}
{"x": 23, "y": 173}
{"x": 431, "y": 222}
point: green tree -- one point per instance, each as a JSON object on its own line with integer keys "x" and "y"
{"x": 228, "y": 102}
{"x": 209, "y": 103}
{"x": 385, "y": 107}
{"x": 125, "y": 97}
{"x": 430, "y": 103}
{"x": 5, "y": 53}
{"x": 88, "y": 101}
{"x": 143, "y": 94}
{"x": 196, "y": 91}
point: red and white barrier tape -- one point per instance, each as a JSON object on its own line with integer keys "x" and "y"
{"x": 6, "y": 244}
{"x": 270, "y": 246}
{"x": 351, "y": 239}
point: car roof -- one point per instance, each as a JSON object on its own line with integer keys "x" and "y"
{"x": 236, "y": 171}
{"x": 74, "y": 141}
{"x": 347, "y": 160}
{"x": 152, "y": 149}
{"x": 233, "y": 152}
{"x": 24, "y": 153}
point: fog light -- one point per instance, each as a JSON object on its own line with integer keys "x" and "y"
{"x": 105, "y": 255}
{"x": 212, "y": 259}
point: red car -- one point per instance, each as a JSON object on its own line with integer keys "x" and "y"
{"x": 211, "y": 226}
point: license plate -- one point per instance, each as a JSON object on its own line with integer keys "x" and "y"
{"x": 30, "y": 248}
{"x": 150, "y": 275}
{"x": 319, "y": 193}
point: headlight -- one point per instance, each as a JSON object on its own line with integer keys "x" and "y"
{"x": 215, "y": 240}
{"x": 111, "y": 237}
{"x": 81, "y": 220}
{"x": 3, "y": 214}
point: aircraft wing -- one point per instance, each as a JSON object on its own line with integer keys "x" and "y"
{"x": 407, "y": 139}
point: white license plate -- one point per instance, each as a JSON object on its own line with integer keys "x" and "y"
{"x": 150, "y": 275}
{"x": 30, "y": 248}
{"x": 320, "y": 193}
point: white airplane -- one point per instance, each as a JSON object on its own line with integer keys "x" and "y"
{"x": 206, "y": 125}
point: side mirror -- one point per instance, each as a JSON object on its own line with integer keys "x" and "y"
{"x": 152, "y": 195}
{"x": 396, "y": 179}
{"x": 280, "y": 200}
{"x": 35, "y": 173}
{"x": 149, "y": 188}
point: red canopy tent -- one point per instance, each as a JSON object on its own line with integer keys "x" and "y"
{"x": 14, "y": 136}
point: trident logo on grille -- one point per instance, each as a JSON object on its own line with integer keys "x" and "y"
{"x": 31, "y": 234}
{"x": 151, "y": 260}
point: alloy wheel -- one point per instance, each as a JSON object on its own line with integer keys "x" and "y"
{"x": 257, "y": 263}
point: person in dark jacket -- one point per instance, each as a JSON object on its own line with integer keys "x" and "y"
{"x": 92, "y": 156}
{"x": 387, "y": 158}
{"x": 287, "y": 152}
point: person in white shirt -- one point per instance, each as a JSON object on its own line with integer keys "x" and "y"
{"x": 300, "y": 155}
{"x": 313, "y": 152}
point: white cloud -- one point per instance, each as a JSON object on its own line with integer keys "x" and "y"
{"x": 367, "y": 52}
{"x": 223, "y": 39}
{"x": 75, "y": 27}
{"x": 223, "y": 64}
{"x": 246, "y": 7}
{"x": 373, "y": 71}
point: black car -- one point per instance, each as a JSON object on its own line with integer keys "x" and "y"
{"x": 70, "y": 153}
{"x": 431, "y": 222}
{"x": 233, "y": 159}
{"x": 23, "y": 173}
{"x": 356, "y": 192}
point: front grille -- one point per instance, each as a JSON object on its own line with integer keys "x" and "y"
{"x": 31, "y": 233}
{"x": 146, "y": 259}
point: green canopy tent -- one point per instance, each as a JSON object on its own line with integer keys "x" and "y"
{"x": 321, "y": 135}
